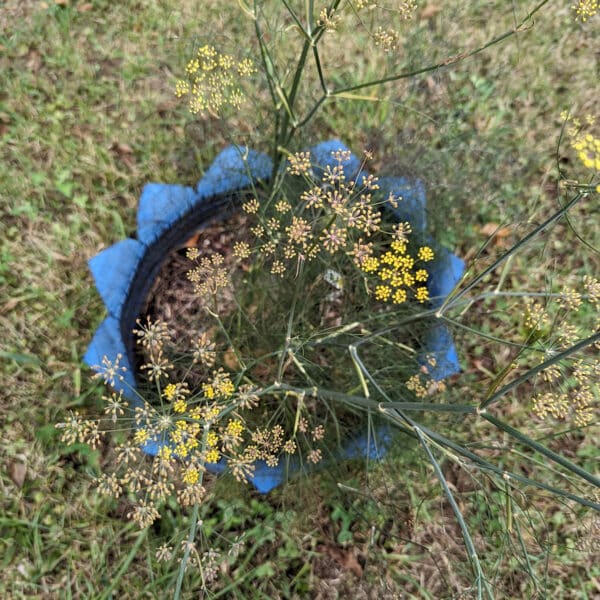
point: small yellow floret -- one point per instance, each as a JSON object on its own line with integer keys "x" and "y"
{"x": 212, "y": 456}
{"x": 170, "y": 391}
{"x": 422, "y": 294}
{"x": 398, "y": 246}
{"x": 165, "y": 452}
{"x": 141, "y": 436}
{"x": 190, "y": 476}
{"x": 180, "y": 406}
{"x": 425, "y": 253}
{"x": 235, "y": 428}
{"x": 399, "y": 296}
{"x": 181, "y": 450}
{"x": 382, "y": 292}
{"x": 370, "y": 264}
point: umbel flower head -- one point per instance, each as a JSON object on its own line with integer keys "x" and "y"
{"x": 214, "y": 81}
{"x": 194, "y": 430}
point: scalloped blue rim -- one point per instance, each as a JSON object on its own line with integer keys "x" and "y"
{"x": 164, "y": 206}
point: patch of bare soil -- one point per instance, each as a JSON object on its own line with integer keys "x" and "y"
{"x": 13, "y": 11}
{"x": 172, "y": 298}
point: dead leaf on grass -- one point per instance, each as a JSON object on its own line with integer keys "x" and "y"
{"x": 230, "y": 360}
{"x": 122, "y": 148}
{"x": 125, "y": 153}
{"x": 500, "y": 234}
{"x": 34, "y": 61}
{"x": 4, "y": 123}
{"x": 430, "y": 11}
{"x": 345, "y": 558}
{"x": 17, "y": 472}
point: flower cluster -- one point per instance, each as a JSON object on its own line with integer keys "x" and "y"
{"x": 212, "y": 82}
{"x": 584, "y": 9}
{"x": 421, "y": 384}
{"x": 186, "y": 429}
{"x": 340, "y": 216}
{"x": 329, "y": 20}
{"x": 588, "y": 151}
{"x": 585, "y": 143}
{"x": 573, "y": 388}
{"x": 386, "y": 39}
{"x": 397, "y": 273}
{"x": 209, "y": 276}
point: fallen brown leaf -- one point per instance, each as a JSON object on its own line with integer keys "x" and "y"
{"x": 345, "y": 558}
{"x": 17, "y": 472}
{"x": 230, "y": 360}
{"x": 500, "y": 234}
{"x": 430, "y": 11}
{"x": 125, "y": 153}
{"x": 34, "y": 61}
{"x": 121, "y": 148}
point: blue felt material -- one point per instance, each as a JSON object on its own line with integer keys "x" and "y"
{"x": 322, "y": 158}
{"x": 373, "y": 447}
{"x": 410, "y": 197}
{"x": 439, "y": 344}
{"x": 160, "y": 206}
{"x": 444, "y": 273}
{"x": 113, "y": 269}
{"x": 234, "y": 169}
{"x": 107, "y": 342}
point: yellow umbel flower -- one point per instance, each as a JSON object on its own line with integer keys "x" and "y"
{"x": 213, "y": 79}
{"x": 584, "y": 9}
{"x": 425, "y": 254}
{"x": 588, "y": 151}
{"x": 235, "y": 428}
{"x": 180, "y": 406}
{"x": 191, "y": 476}
{"x": 422, "y": 294}
{"x": 382, "y": 292}
{"x": 212, "y": 456}
{"x": 370, "y": 264}
{"x": 141, "y": 436}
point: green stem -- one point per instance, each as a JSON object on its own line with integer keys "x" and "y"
{"x": 107, "y": 593}
{"x": 539, "y": 368}
{"x": 449, "y": 61}
{"x": 553, "y": 456}
{"x": 400, "y": 421}
{"x": 193, "y": 528}
{"x": 472, "y": 553}
{"x": 290, "y": 10}
{"x": 288, "y": 336}
{"x": 186, "y": 554}
{"x": 227, "y": 337}
{"x": 453, "y": 297}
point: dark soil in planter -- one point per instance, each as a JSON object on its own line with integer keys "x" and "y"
{"x": 172, "y": 298}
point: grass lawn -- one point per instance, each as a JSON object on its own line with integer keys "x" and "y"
{"x": 88, "y": 116}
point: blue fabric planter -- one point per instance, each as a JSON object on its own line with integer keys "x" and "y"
{"x": 169, "y": 214}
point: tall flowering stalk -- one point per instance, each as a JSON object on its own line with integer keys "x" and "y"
{"x": 315, "y": 320}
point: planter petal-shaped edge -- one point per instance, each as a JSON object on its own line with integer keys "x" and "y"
{"x": 169, "y": 214}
